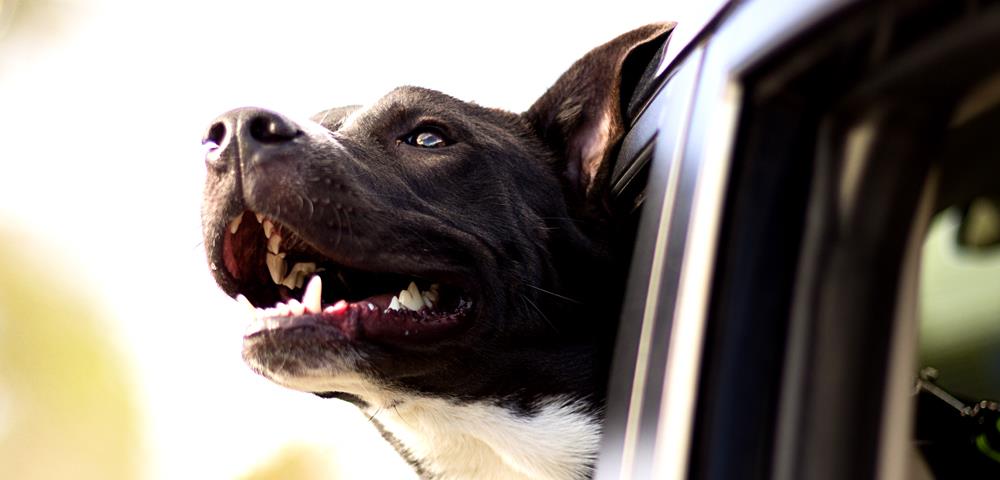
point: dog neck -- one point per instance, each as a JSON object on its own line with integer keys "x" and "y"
{"x": 443, "y": 439}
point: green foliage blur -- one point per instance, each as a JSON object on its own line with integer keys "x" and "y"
{"x": 65, "y": 404}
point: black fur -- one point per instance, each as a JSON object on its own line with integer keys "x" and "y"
{"x": 513, "y": 212}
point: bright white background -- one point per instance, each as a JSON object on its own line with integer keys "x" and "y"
{"x": 102, "y": 108}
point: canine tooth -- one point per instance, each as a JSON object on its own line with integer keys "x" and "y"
{"x": 394, "y": 304}
{"x": 276, "y": 266}
{"x": 268, "y": 228}
{"x": 274, "y": 243}
{"x": 313, "y": 296}
{"x": 234, "y": 225}
{"x": 295, "y": 307}
{"x": 245, "y": 302}
{"x": 407, "y": 300}
{"x": 260, "y": 217}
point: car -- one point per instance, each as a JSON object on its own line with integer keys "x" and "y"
{"x": 812, "y": 192}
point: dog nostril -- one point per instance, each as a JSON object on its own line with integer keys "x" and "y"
{"x": 270, "y": 128}
{"x": 216, "y": 135}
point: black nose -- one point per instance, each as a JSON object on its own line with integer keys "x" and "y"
{"x": 246, "y": 135}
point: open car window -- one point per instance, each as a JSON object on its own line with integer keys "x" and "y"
{"x": 815, "y": 287}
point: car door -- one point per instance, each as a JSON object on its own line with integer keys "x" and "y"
{"x": 795, "y": 159}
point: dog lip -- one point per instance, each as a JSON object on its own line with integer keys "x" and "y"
{"x": 364, "y": 320}
{"x": 241, "y": 253}
{"x": 243, "y": 245}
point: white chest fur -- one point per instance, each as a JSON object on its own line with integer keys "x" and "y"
{"x": 484, "y": 441}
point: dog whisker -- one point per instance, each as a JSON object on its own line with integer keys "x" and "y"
{"x": 395, "y": 407}
{"x": 540, "y": 312}
{"x": 554, "y": 294}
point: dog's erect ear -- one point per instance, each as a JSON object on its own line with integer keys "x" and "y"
{"x": 581, "y": 115}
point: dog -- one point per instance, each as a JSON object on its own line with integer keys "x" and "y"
{"x": 444, "y": 266}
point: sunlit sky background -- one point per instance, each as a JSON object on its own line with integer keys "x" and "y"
{"x": 102, "y": 108}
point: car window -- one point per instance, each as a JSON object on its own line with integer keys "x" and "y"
{"x": 960, "y": 300}
{"x": 958, "y": 418}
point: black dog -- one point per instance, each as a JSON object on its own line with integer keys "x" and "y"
{"x": 442, "y": 265}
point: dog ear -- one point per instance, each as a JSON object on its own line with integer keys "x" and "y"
{"x": 581, "y": 116}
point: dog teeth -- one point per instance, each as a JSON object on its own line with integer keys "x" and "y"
{"x": 431, "y": 296}
{"x": 234, "y": 225}
{"x": 295, "y": 307}
{"x": 337, "y": 307}
{"x": 278, "y": 310}
{"x": 243, "y": 301}
{"x": 411, "y": 298}
{"x": 405, "y": 300}
{"x": 297, "y": 276}
{"x": 313, "y": 296}
{"x": 276, "y": 266}
{"x": 414, "y": 291}
{"x": 274, "y": 243}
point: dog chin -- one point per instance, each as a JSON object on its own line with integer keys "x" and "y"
{"x": 302, "y": 364}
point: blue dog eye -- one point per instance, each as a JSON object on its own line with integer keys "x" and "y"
{"x": 426, "y": 138}
{"x": 430, "y": 140}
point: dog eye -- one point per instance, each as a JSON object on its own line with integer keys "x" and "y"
{"x": 426, "y": 138}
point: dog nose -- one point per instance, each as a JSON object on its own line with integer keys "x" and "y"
{"x": 245, "y": 135}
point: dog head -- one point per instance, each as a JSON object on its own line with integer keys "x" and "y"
{"x": 423, "y": 244}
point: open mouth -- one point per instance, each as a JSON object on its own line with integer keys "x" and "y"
{"x": 285, "y": 283}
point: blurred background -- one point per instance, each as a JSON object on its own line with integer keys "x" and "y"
{"x": 119, "y": 357}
